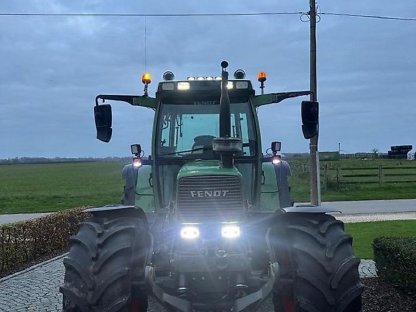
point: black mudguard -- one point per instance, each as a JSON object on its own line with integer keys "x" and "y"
{"x": 309, "y": 209}
{"x": 118, "y": 210}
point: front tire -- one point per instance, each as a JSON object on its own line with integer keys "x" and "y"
{"x": 104, "y": 270}
{"x": 319, "y": 272}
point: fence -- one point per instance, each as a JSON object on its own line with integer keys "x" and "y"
{"x": 368, "y": 175}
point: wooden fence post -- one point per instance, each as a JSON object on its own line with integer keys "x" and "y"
{"x": 338, "y": 177}
{"x": 380, "y": 175}
{"x": 326, "y": 177}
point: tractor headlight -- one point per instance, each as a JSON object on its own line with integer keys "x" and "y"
{"x": 276, "y": 160}
{"x": 137, "y": 162}
{"x": 189, "y": 232}
{"x": 230, "y": 231}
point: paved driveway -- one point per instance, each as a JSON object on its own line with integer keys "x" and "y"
{"x": 37, "y": 288}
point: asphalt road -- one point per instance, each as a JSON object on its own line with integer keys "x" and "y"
{"x": 397, "y": 206}
{"x": 373, "y": 206}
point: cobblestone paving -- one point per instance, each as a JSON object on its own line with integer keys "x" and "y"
{"x": 367, "y": 268}
{"x": 37, "y": 289}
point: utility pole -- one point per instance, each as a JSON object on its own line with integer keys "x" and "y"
{"x": 313, "y": 143}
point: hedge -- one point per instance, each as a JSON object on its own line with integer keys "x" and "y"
{"x": 25, "y": 243}
{"x": 395, "y": 259}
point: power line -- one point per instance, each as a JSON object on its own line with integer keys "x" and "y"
{"x": 148, "y": 15}
{"x": 371, "y": 16}
{"x": 207, "y": 15}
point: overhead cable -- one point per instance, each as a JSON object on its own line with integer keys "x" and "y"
{"x": 206, "y": 14}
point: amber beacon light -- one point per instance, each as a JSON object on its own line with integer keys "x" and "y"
{"x": 146, "y": 79}
{"x": 261, "y": 77}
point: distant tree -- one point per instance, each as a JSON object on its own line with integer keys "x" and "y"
{"x": 375, "y": 152}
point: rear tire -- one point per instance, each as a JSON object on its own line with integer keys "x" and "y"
{"x": 104, "y": 270}
{"x": 319, "y": 272}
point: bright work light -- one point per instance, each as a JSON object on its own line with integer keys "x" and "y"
{"x": 189, "y": 232}
{"x": 275, "y": 160}
{"x": 184, "y": 85}
{"x": 137, "y": 162}
{"x": 230, "y": 231}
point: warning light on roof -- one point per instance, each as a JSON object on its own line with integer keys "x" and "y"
{"x": 146, "y": 78}
{"x": 261, "y": 76}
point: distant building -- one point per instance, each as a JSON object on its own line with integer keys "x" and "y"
{"x": 329, "y": 156}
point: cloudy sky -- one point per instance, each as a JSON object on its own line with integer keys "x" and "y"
{"x": 52, "y": 67}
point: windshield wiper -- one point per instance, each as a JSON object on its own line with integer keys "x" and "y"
{"x": 187, "y": 151}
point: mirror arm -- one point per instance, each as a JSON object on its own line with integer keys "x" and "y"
{"x": 135, "y": 100}
{"x": 271, "y": 98}
{"x": 114, "y": 97}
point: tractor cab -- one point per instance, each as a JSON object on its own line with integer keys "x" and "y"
{"x": 187, "y": 128}
{"x": 204, "y": 127}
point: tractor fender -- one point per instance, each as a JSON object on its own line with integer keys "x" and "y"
{"x": 309, "y": 209}
{"x": 129, "y": 175}
{"x": 110, "y": 211}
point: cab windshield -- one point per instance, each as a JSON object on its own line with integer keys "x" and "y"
{"x": 187, "y": 129}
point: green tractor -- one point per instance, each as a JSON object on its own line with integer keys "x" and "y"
{"x": 204, "y": 224}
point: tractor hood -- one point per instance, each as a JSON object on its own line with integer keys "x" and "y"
{"x": 206, "y": 191}
{"x": 206, "y": 168}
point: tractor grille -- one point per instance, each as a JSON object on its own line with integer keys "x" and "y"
{"x": 202, "y": 198}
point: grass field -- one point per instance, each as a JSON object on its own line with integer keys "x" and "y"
{"x": 364, "y": 233}
{"x": 54, "y": 187}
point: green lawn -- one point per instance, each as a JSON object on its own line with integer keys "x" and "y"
{"x": 364, "y": 233}
{"x": 53, "y": 187}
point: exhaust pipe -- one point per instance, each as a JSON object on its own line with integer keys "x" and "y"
{"x": 225, "y": 113}
{"x": 225, "y": 145}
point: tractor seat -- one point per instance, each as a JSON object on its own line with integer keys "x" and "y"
{"x": 203, "y": 145}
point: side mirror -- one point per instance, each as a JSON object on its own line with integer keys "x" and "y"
{"x": 310, "y": 118}
{"x": 103, "y": 122}
{"x": 276, "y": 147}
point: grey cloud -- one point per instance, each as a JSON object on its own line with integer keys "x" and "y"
{"x": 52, "y": 69}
